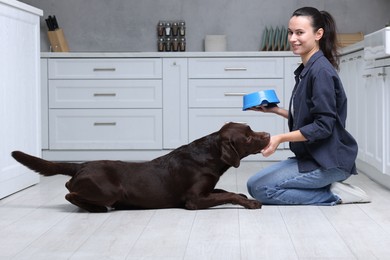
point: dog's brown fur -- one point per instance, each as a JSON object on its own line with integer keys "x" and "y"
{"x": 184, "y": 178}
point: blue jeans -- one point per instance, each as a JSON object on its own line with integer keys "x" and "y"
{"x": 283, "y": 184}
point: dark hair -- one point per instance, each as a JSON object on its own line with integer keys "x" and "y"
{"x": 328, "y": 42}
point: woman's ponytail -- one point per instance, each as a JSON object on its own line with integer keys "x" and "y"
{"x": 328, "y": 42}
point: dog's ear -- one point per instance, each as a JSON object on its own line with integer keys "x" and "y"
{"x": 229, "y": 154}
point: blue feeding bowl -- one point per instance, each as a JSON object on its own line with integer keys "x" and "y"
{"x": 261, "y": 98}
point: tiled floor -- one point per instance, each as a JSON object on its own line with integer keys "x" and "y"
{"x": 38, "y": 223}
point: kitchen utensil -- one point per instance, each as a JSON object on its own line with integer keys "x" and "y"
{"x": 52, "y": 23}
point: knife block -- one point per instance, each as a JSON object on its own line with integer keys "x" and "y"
{"x": 58, "y": 41}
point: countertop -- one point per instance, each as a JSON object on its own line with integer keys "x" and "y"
{"x": 352, "y": 48}
{"x": 164, "y": 54}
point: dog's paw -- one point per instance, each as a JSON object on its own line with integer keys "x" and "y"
{"x": 253, "y": 204}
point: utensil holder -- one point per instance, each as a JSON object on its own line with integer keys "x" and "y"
{"x": 58, "y": 41}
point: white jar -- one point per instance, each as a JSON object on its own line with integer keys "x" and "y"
{"x": 215, "y": 43}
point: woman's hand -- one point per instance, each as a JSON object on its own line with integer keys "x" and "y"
{"x": 272, "y": 146}
{"x": 294, "y": 136}
{"x": 271, "y": 108}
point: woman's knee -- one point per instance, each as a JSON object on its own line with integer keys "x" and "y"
{"x": 251, "y": 181}
{"x": 255, "y": 186}
{"x": 261, "y": 185}
{"x": 249, "y": 185}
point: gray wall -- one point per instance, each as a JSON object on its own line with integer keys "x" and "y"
{"x": 130, "y": 25}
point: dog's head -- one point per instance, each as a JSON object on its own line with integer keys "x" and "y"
{"x": 239, "y": 141}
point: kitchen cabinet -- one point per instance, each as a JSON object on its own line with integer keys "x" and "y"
{"x": 367, "y": 84}
{"x": 105, "y": 104}
{"x": 44, "y": 105}
{"x": 387, "y": 120}
{"x": 175, "y": 100}
{"x": 366, "y": 89}
{"x": 216, "y": 89}
{"x": 351, "y": 74}
{"x": 374, "y": 116}
{"x": 140, "y": 106}
{"x": 19, "y": 93}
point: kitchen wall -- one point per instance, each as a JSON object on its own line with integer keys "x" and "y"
{"x": 130, "y": 25}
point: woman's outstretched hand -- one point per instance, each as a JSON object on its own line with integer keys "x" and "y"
{"x": 272, "y": 146}
{"x": 270, "y": 108}
{"x": 276, "y": 140}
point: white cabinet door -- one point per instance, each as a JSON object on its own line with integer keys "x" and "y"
{"x": 44, "y": 105}
{"x": 351, "y": 71}
{"x": 19, "y": 96}
{"x": 386, "y": 127}
{"x": 374, "y": 114}
{"x": 362, "y": 113}
{"x": 175, "y": 102}
{"x": 353, "y": 88}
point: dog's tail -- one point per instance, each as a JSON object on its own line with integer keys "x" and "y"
{"x": 44, "y": 167}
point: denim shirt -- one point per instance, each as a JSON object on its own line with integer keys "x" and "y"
{"x": 319, "y": 105}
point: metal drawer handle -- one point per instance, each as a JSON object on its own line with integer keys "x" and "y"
{"x": 104, "y": 94}
{"x": 235, "y": 69}
{"x": 104, "y": 69}
{"x": 381, "y": 74}
{"x": 233, "y": 94}
{"x": 104, "y": 124}
{"x": 367, "y": 76}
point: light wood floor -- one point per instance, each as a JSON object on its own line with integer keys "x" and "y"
{"x": 38, "y": 223}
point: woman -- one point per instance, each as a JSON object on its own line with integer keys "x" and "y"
{"x": 324, "y": 151}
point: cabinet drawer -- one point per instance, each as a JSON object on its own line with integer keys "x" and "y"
{"x": 212, "y": 120}
{"x": 105, "y": 93}
{"x": 105, "y": 68}
{"x": 236, "y": 68}
{"x": 225, "y": 93}
{"x": 83, "y": 129}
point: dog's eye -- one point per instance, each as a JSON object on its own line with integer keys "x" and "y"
{"x": 248, "y": 139}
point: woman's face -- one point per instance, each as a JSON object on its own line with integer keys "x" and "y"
{"x": 304, "y": 41}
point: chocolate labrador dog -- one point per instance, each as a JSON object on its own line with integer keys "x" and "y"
{"x": 184, "y": 178}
